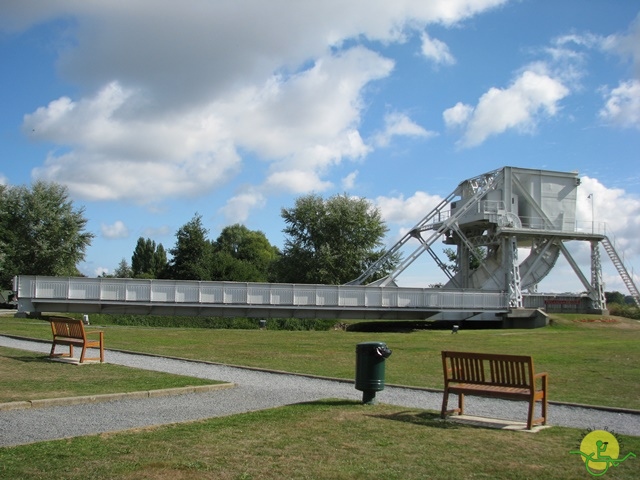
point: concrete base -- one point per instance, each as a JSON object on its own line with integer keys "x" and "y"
{"x": 74, "y": 361}
{"x": 495, "y": 423}
{"x": 525, "y": 318}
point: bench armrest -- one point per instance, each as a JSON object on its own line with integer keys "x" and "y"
{"x": 93, "y": 332}
{"x": 544, "y": 376}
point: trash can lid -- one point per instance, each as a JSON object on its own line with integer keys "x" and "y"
{"x": 371, "y": 344}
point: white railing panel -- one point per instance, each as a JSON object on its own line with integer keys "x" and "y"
{"x": 187, "y": 292}
{"x": 304, "y": 295}
{"x": 113, "y": 291}
{"x": 327, "y": 296}
{"x": 258, "y": 294}
{"x": 51, "y": 289}
{"x": 352, "y": 297}
{"x": 281, "y": 295}
{"x": 410, "y": 299}
{"x": 163, "y": 292}
{"x": 373, "y": 297}
{"x": 84, "y": 290}
{"x": 211, "y": 293}
{"x": 138, "y": 292}
{"x": 235, "y": 294}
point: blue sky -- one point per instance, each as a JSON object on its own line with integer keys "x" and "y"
{"x": 152, "y": 111}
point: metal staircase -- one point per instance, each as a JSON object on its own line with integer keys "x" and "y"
{"x": 622, "y": 270}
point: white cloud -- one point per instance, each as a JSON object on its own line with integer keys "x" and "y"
{"x": 117, "y": 230}
{"x": 622, "y": 103}
{"x": 457, "y": 115}
{"x": 622, "y": 106}
{"x": 517, "y": 107}
{"x": 626, "y": 45}
{"x": 407, "y": 211}
{"x": 154, "y": 232}
{"x": 623, "y": 225}
{"x": 296, "y": 181}
{"x": 436, "y": 50}
{"x": 349, "y": 181}
{"x": 173, "y": 98}
{"x": 309, "y": 117}
{"x": 99, "y": 271}
{"x": 237, "y": 208}
{"x": 399, "y": 124}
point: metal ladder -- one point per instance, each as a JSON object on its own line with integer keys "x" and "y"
{"x": 622, "y": 270}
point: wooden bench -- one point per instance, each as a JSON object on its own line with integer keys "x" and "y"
{"x": 509, "y": 377}
{"x": 71, "y": 332}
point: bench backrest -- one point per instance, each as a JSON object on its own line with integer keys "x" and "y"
{"x": 488, "y": 369}
{"x": 67, "y": 327}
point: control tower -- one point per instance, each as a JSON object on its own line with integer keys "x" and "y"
{"x": 491, "y": 219}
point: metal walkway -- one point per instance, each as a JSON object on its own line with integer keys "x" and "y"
{"x": 257, "y": 300}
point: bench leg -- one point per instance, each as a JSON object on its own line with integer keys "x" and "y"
{"x": 461, "y": 403}
{"x": 445, "y": 401}
{"x": 530, "y": 416}
{"x": 53, "y": 353}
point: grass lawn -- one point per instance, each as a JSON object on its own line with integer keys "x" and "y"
{"x": 31, "y": 376}
{"x": 332, "y": 439}
{"x": 590, "y": 359}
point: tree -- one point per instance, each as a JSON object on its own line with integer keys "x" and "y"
{"x": 192, "y": 252}
{"x": 123, "y": 270}
{"x": 475, "y": 260}
{"x": 614, "y": 297}
{"x": 148, "y": 260}
{"x": 160, "y": 262}
{"x": 41, "y": 232}
{"x": 243, "y": 255}
{"x": 331, "y": 241}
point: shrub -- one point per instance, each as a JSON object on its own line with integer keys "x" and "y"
{"x": 627, "y": 311}
{"x": 240, "y": 323}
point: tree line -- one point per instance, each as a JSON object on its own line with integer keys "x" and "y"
{"x": 327, "y": 241}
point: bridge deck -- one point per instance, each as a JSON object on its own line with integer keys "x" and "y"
{"x": 264, "y": 300}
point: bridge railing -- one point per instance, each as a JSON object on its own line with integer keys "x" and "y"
{"x": 140, "y": 291}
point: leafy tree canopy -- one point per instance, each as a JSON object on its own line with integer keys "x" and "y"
{"x": 148, "y": 260}
{"x": 192, "y": 252}
{"x": 331, "y": 241}
{"x": 244, "y": 255}
{"x": 41, "y": 232}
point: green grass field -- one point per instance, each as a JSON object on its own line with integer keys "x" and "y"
{"x": 332, "y": 439}
{"x": 590, "y": 359}
{"x": 31, "y": 376}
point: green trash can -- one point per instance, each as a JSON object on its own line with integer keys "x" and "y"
{"x": 370, "y": 369}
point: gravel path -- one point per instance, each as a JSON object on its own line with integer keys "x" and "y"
{"x": 255, "y": 390}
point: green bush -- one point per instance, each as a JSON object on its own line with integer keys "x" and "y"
{"x": 237, "y": 323}
{"x": 627, "y": 311}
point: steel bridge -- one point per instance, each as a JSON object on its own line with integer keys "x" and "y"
{"x": 500, "y": 212}
{"x": 39, "y": 294}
